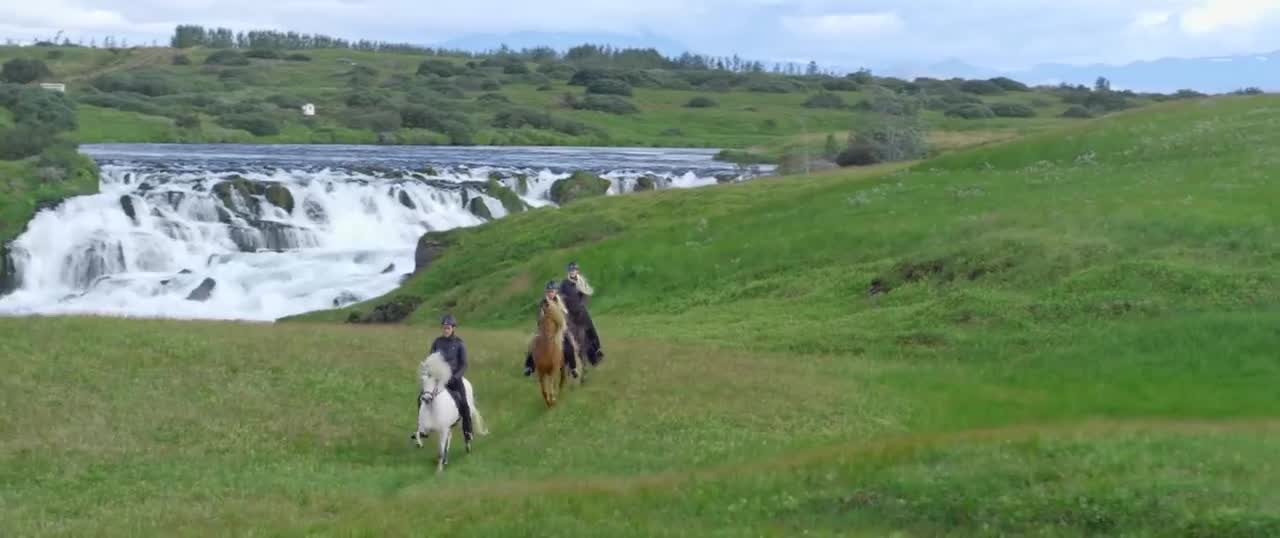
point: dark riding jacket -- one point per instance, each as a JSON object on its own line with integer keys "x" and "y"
{"x": 454, "y": 353}
{"x": 574, "y": 300}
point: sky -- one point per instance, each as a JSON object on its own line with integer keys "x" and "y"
{"x": 1002, "y": 34}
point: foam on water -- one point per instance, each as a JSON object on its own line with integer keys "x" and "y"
{"x": 350, "y": 235}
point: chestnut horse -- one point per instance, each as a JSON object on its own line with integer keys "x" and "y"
{"x": 548, "y": 349}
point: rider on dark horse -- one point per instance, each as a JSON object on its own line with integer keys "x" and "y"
{"x": 575, "y": 292}
{"x": 454, "y": 352}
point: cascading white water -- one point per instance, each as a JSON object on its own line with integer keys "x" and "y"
{"x": 246, "y": 241}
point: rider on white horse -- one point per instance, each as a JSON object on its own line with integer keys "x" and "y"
{"x": 454, "y": 352}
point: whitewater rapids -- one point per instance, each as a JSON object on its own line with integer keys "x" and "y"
{"x": 211, "y": 234}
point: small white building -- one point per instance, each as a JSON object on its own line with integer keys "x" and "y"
{"x": 308, "y": 109}
{"x": 54, "y": 86}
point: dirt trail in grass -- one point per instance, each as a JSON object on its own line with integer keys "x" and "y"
{"x": 896, "y": 447}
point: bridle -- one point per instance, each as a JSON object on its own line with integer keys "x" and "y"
{"x": 428, "y": 397}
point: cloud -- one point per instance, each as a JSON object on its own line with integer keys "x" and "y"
{"x": 845, "y": 26}
{"x": 1215, "y": 16}
{"x": 1149, "y": 19}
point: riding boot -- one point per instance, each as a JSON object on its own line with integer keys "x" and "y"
{"x": 570, "y": 355}
{"x": 528, "y": 364}
{"x": 594, "y": 353}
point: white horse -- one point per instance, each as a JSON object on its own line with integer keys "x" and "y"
{"x": 436, "y": 409}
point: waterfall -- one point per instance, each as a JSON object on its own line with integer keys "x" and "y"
{"x": 253, "y": 239}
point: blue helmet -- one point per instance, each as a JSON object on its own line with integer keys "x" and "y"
{"x": 448, "y": 320}
{"x": 573, "y": 266}
{"x": 551, "y": 285}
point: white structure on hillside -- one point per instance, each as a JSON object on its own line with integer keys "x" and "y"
{"x": 308, "y": 109}
{"x": 54, "y": 86}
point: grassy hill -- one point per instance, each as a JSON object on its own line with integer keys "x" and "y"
{"x": 219, "y": 95}
{"x": 1068, "y": 334}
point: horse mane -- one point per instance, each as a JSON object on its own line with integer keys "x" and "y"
{"x": 435, "y": 368}
{"x": 583, "y": 285}
{"x": 555, "y": 313}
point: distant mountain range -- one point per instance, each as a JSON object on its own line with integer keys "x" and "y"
{"x": 1219, "y": 74}
{"x": 561, "y": 41}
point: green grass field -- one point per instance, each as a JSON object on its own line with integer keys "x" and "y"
{"x": 767, "y": 122}
{"x": 1069, "y": 334}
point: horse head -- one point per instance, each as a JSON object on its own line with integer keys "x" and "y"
{"x": 434, "y": 372}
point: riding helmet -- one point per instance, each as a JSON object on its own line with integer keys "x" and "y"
{"x": 448, "y": 320}
{"x": 551, "y": 285}
{"x": 573, "y": 266}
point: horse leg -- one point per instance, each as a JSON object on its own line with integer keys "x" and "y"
{"x": 443, "y": 451}
{"x": 542, "y": 384}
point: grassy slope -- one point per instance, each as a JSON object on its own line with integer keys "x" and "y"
{"x": 1102, "y": 362}
{"x": 21, "y": 189}
{"x": 743, "y": 119}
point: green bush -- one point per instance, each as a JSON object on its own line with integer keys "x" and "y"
{"x": 884, "y": 101}
{"x": 840, "y": 85}
{"x": 256, "y": 124}
{"x": 181, "y": 59}
{"x": 557, "y": 71}
{"x": 264, "y": 54}
{"x": 187, "y": 121}
{"x": 287, "y": 101}
{"x": 612, "y": 104}
{"x": 772, "y": 85}
{"x": 367, "y": 99}
{"x": 858, "y": 154}
{"x": 981, "y": 87}
{"x": 608, "y": 86}
{"x": 373, "y": 120}
{"x": 970, "y": 112}
{"x": 148, "y": 83}
{"x": 24, "y": 71}
{"x": 50, "y": 110}
{"x": 1077, "y": 111}
{"x": 1008, "y": 84}
{"x": 127, "y": 101}
{"x": 297, "y": 57}
{"x": 226, "y": 57}
{"x": 824, "y": 100}
{"x": 493, "y": 99}
{"x": 702, "y": 101}
{"x": 588, "y": 75}
{"x": 439, "y": 68}
{"x": 515, "y": 68}
{"x": 1012, "y": 110}
{"x": 520, "y": 117}
{"x": 22, "y": 141}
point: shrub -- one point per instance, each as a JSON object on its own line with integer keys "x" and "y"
{"x": 256, "y": 124}
{"x": 181, "y": 59}
{"x": 702, "y": 101}
{"x": 519, "y": 117}
{"x": 1012, "y": 110}
{"x": 892, "y": 138}
{"x": 515, "y": 68}
{"x": 587, "y": 76}
{"x": 1008, "y": 84}
{"x": 981, "y": 87}
{"x": 771, "y": 85}
{"x": 493, "y": 99}
{"x": 297, "y": 57}
{"x": 187, "y": 121}
{"x": 858, "y": 154}
{"x": 1077, "y": 111}
{"x": 884, "y": 101}
{"x": 374, "y": 120}
{"x": 490, "y": 85}
{"x": 367, "y": 99}
{"x": 264, "y": 54}
{"x": 557, "y": 71}
{"x": 840, "y": 85}
{"x": 149, "y": 83}
{"x": 50, "y": 110}
{"x": 438, "y": 67}
{"x": 22, "y": 141}
{"x": 23, "y": 71}
{"x": 606, "y": 103}
{"x": 287, "y": 101}
{"x": 824, "y": 100}
{"x": 128, "y": 101}
{"x": 608, "y": 86}
{"x": 226, "y": 57}
{"x": 970, "y": 112}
